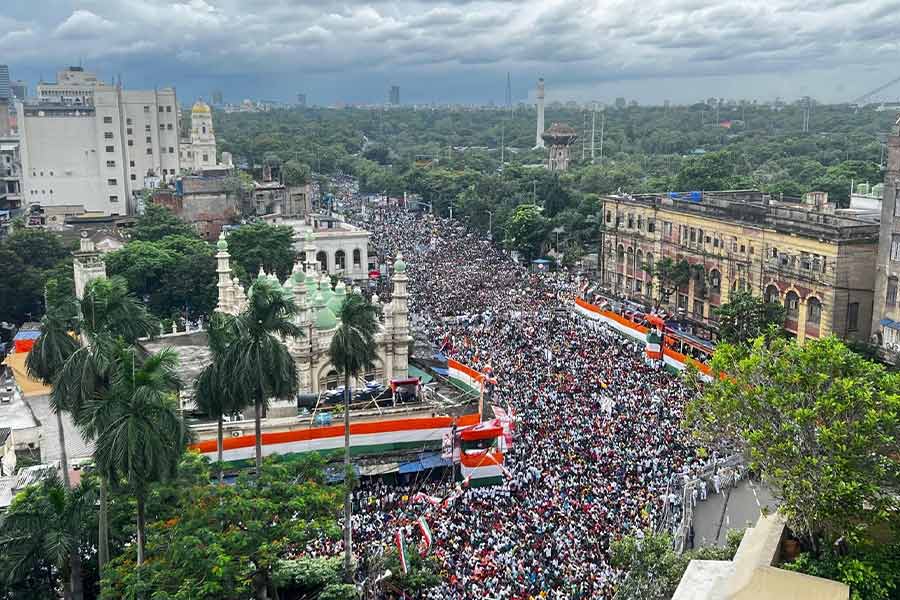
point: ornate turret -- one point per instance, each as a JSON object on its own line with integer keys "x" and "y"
{"x": 398, "y": 319}
{"x": 325, "y": 287}
{"x": 225, "y": 285}
{"x": 309, "y": 250}
{"x": 337, "y": 299}
{"x": 325, "y": 319}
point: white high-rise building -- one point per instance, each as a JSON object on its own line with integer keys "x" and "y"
{"x": 539, "y": 140}
{"x": 89, "y": 145}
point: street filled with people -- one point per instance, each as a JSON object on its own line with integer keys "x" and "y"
{"x": 598, "y": 449}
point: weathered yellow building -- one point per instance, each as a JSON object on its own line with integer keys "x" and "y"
{"x": 820, "y": 265}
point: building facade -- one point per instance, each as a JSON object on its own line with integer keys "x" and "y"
{"x": 886, "y": 316}
{"x": 89, "y": 144}
{"x": 820, "y": 266}
{"x": 198, "y": 153}
{"x": 319, "y": 316}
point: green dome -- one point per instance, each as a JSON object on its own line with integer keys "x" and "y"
{"x": 298, "y": 276}
{"x": 337, "y": 300}
{"x": 310, "y": 236}
{"x": 288, "y": 289}
{"x": 399, "y": 264}
{"x": 222, "y": 244}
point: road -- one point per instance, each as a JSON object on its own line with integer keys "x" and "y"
{"x": 735, "y": 508}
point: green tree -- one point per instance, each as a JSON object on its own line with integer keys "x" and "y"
{"x": 211, "y": 391}
{"x": 296, "y": 173}
{"x": 745, "y": 317}
{"x": 158, "y": 222}
{"x": 352, "y": 351}
{"x": 526, "y": 230}
{"x": 257, "y": 361}
{"x": 818, "y": 421}
{"x": 669, "y": 275}
{"x": 41, "y": 532}
{"x": 144, "y": 436}
{"x": 263, "y": 245}
{"x": 110, "y": 316}
{"x": 44, "y": 362}
{"x": 231, "y": 542}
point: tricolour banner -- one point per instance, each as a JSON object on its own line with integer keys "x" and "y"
{"x": 426, "y": 535}
{"x": 401, "y": 550}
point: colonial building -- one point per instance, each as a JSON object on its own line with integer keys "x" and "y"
{"x": 886, "y": 317}
{"x": 319, "y": 317}
{"x": 818, "y": 264}
{"x": 198, "y": 152}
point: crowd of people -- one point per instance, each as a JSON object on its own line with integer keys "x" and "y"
{"x": 598, "y": 447}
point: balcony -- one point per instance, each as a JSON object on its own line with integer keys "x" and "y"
{"x": 799, "y": 269}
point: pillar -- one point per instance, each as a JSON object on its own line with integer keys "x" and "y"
{"x": 801, "y": 320}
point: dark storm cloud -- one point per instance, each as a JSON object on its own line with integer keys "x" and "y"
{"x": 336, "y": 45}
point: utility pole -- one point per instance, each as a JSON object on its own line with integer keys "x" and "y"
{"x": 602, "y": 127}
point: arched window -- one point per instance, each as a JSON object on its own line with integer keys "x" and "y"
{"x": 891, "y": 297}
{"x": 772, "y": 294}
{"x": 620, "y": 254}
{"x": 639, "y": 261}
{"x": 357, "y": 258}
{"x": 322, "y": 258}
{"x": 649, "y": 261}
{"x": 340, "y": 260}
{"x": 715, "y": 281}
{"x": 792, "y": 304}
{"x": 331, "y": 380}
{"x": 813, "y": 311}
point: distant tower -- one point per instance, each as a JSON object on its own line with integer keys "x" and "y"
{"x": 203, "y": 138}
{"x": 394, "y": 97}
{"x": 87, "y": 265}
{"x": 539, "y": 140}
{"x": 559, "y": 138}
{"x": 508, "y": 93}
{"x": 301, "y": 100}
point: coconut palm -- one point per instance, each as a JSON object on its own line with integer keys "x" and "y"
{"x": 55, "y": 345}
{"x": 42, "y": 530}
{"x": 257, "y": 362}
{"x": 352, "y": 351}
{"x": 142, "y": 437}
{"x": 109, "y": 316}
{"x": 211, "y": 392}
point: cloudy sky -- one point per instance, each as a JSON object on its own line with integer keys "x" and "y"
{"x": 461, "y": 50}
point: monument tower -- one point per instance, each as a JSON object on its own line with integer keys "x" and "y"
{"x": 539, "y": 139}
{"x": 559, "y": 138}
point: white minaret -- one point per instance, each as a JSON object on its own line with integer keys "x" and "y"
{"x": 539, "y": 141}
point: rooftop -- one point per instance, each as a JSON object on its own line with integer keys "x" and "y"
{"x": 756, "y": 209}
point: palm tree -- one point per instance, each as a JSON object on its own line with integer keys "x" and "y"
{"x": 44, "y": 524}
{"x": 109, "y": 315}
{"x": 211, "y": 391}
{"x": 257, "y": 362}
{"x": 352, "y": 351}
{"x": 45, "y": 360}
{"x": 143, "y": 436}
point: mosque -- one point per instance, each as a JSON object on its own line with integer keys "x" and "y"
{"x": 319, "y": 316}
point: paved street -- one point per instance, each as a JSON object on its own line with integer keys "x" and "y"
{"x": 734, "y": 508}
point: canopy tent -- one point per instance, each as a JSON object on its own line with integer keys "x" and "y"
{"x": 430, "y": 460}
{"x": 424, "y": 378}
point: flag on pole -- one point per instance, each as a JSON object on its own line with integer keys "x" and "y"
{"x": 401, "y": 550}
{"x": 653, "y": 348}
{"x": 426, "y": 535}
{"x": 423, "y": 497}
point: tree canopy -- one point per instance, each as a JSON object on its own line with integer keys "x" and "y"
{"x": 263, "y": 245}
{"x": 818, "y": 421}
{"x": 158, "y": 222}
{"x": 745, "y": 317}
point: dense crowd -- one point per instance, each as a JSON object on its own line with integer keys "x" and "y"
{"x": 598, "y": 438}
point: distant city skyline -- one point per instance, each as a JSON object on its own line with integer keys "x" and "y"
{"x": 444, "y": 51}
